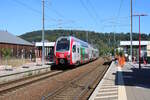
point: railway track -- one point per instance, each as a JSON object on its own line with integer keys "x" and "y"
{"x": 58, "y": 85}
{"x": 13, "y": 85}
{"x": 78, "y": 88}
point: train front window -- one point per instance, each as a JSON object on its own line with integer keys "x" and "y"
{"x": 63, "y": 44}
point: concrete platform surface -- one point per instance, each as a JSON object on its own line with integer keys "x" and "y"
{"x": 127, "y": 83}
{"x": 22, "y": 72}
{"x": 136, "y": 81}
{"x": 21, "y": 69}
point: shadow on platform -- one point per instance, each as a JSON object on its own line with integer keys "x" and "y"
{"x": 134, "y": 77}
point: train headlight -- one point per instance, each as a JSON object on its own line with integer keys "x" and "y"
{"x": 62, "y": 61}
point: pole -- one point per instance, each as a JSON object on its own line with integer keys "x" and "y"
{"x": 114, "y": 43}
{"x": 139, "y": 15}
{"x": 139, "y": 45}
{"x": 109, "y": 40}
{"x": 87, "y": 37}
{"x": 43, "y": 48}
{"x": 114, "y": 40}
{"x": 131, "y": 34}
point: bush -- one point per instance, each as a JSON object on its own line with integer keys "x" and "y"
{"x": 6, "y": 52}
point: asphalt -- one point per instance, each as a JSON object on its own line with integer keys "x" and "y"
{"x": 136, "y": 81}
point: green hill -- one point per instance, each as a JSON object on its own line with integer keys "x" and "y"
{"x": 104, "y": 41}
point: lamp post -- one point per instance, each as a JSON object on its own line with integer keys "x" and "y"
{"x": 139, "y": 15}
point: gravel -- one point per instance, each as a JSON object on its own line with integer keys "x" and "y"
{"x": 36, "y": 90}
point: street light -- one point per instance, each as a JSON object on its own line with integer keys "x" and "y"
{"x": 139, "y": 15}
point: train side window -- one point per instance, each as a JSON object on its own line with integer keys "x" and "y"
{"x": 74, "y": 48}
{"x": 78, "y": 50}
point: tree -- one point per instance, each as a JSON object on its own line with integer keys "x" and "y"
{"x": 103, "y": 41}
{"x": 6, "y": 52}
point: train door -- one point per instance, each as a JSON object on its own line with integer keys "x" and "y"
{"x": 74, "y": 53}
{"x": 82, "y": 55}
{"x": 78, "y": 53}
{"x": 86, "y": 54}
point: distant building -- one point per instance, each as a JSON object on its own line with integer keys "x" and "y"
{"x": 49, "y": 50}
{"x": 19, "y": 48}
{"x": 145, "y": 48}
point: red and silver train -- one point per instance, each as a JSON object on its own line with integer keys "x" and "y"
{"x": 72, "y": 51}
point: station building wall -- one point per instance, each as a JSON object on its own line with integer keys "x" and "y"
{"x": 18, "y": 51}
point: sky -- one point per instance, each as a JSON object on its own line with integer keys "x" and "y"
{"x": 21, "y": 16}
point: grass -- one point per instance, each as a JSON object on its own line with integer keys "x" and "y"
{"x": 14, "y": 62}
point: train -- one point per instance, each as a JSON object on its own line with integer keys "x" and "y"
{"x": 69, "y": 50}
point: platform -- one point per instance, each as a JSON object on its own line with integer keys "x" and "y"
{"x": 22, "y": 72}
{"x": 127, "y": 83}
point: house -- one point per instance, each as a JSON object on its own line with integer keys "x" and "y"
{"x": 20, "y": 48}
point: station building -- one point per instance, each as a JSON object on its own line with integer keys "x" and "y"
{"x": 49, "y": 50}
{"x": 19, "y": 48}
{"x": 145, "y": 48}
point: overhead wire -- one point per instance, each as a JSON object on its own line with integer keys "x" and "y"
{"x": 54, "y": 10}
{"x": 33, "y": 9}
{"x": 61, "y": 19}
{"x": 60, "y": 15}
{"x": 93, "y": 9}
{"x": 118, "y": 14}
{"x": 88, "y": 11}
{"x": 116, "y": 18}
